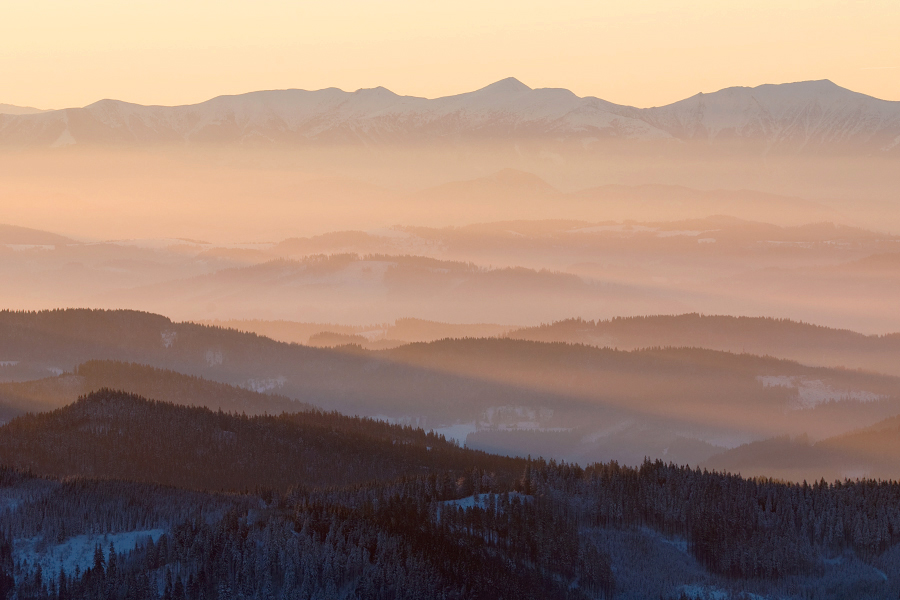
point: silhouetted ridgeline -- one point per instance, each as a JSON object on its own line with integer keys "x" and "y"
{"x": 761, "y": 120}
{"x": 186, "y": 390}
{"x": 873, "y": 451}
{"x": 394, "y": 334}
{"x": 116, "y": 435}
{"x": 782, "y": 338}
{"x": 593, "y": 404}
{"x": 376, "y": 288}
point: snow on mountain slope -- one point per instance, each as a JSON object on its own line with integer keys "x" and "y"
{"x": 804, "y": 116}
{"x": 812, "y": 116}
{"x": 9, "y": 109}
{"x": 506, "y": 109}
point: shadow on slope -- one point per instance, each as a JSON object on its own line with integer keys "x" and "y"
{"x": 114, "y": 435}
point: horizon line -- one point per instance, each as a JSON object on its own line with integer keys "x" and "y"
{"x": 511, "y": 79}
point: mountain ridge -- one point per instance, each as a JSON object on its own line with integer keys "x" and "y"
{"x": 802, "y": 117}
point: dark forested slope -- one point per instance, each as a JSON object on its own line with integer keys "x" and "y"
{"x": 117, "y": 435}
{"x": 186, "y": 390}
{"x": 681, "y": 403}
{"x": 555, "y": 531}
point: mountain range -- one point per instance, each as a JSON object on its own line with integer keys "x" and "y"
{"x": 517, "y": 397}
{"x": 810, "y": 117}
{"x": 10, "y": 109}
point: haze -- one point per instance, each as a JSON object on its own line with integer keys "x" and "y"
{"x": 486, "y": 233}
{"x": 60, "y": 54}
{"x": 412, "y": 300}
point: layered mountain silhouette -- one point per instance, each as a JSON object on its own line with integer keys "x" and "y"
{"x": 54, "y": 392}
{"x": 804, "y": 117}
{"x": 803, "y": 342}
{"x": 11, "y": 109}
{"x": 13, "y": 235}
{"x": 515, "y": 396}
{"x": 868, "y": 452}
{"x": 111, "y": 434}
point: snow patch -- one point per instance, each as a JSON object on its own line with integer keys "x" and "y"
{"x": 602, "y": 433}
{"x": 77, "y": 551}
{"x": 214, "y": 357}
{"x": 168, "y": 338}
{"x": 264, "y": 385}
{"x": 65, "y": 139}
{"x": 515, "y": 418}
{"x": 373, "y": 335}
{"x": 481, "y": 500}
{"x": 458, "y": 432}
{"x": 893, "y": 144}
{"x": 8, "y": 363}
{"x": 812, "y": 392}
{"x": 679, "y": 543}
{"x": 703, "y": 592}
{"x": 25, "y": 247}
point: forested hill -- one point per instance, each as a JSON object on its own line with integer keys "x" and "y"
{"x": 684, "y": 404}
{"x": 143, "y": 380}
{"x": 782, "y": 338}
{"x": 112, "y": 434}
{"x": 556, "y": 531}
{"x": 873, "y": 451}
{"x": 336, "y": 507}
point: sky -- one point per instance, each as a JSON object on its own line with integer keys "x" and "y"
{"x": 61, "y": 53}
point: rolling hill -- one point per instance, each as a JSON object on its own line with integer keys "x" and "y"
{"x": 114, "y": 435}
{"x": 380, "y": 288}
{"x": 12, "y": 235}
{"x": 806, "y": 343}
{"x": 871, "y": 452}
{"x": 184, "y": 390}
{"x": 576, "y": 402}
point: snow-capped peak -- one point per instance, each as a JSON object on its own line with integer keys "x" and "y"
{"x": 510, "y": 85}
{"x": 808, "y": 116}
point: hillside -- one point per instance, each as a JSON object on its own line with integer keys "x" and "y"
{"x": 379, "y": 288}
{"x": 554, "y": 531}
{"x": 11, "y": 235}
{"x": 872, "y": 452}
{"x": 556, "y": 269}
{"x": 184, "y": 390}
{"x": 816, "y": 116}
{"x": 586, "y": 403}
{"x": 782, "y": 338}
{"x": 114, "y": 435}
{"x": 9, "y": 109}
{"x": 375, "y": 336}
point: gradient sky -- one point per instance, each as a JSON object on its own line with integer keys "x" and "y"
{"x": 58, "y": 53}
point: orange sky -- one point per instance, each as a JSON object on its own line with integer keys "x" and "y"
{"x": 57, "y": 53}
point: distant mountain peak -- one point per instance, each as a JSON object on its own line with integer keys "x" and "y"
{"x": 810, "y": 87}
{"x": 375, "y": 91}
{"x": 509, "y": 85}
{"x": 810, "y": 117}
{"x": 9, "y": 109}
